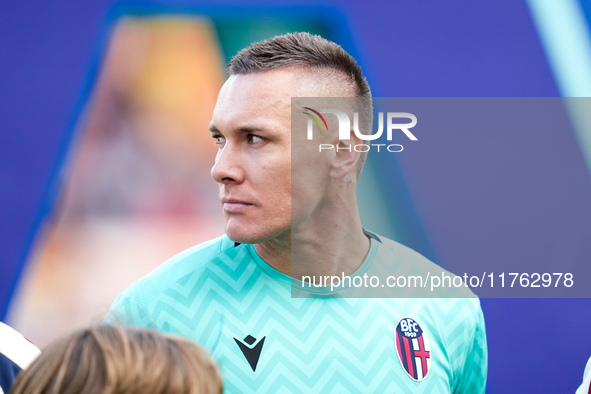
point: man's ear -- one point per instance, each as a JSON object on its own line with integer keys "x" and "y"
{"x": 346, "y": 157}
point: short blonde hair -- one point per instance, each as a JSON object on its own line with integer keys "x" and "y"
{"x": 114, "y": 359}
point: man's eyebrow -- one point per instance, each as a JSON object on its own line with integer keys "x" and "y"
{"x": 241, "y": 130}
{"x": 213, "y": 129}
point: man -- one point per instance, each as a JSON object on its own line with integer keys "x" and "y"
{"x": 290, "y": 212}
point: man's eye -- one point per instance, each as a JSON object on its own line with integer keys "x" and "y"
{"x": 255, "y": 139}
{"x": 219, "y": 140}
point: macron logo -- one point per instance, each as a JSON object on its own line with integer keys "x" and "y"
{"x": 251, "y": 351}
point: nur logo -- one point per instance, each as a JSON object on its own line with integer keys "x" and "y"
{"x": 391, "y": 125}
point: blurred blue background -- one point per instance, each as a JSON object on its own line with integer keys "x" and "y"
{"x": 50, "y": 54}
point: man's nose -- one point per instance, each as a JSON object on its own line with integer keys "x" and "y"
{"x": 228, "y": 165}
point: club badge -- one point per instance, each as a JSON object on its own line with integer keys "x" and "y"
{"x": 413, "y": 348}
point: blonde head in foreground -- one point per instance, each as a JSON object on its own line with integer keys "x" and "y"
{"x": 113, "y": 359}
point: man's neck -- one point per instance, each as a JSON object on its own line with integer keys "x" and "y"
{"x": 326, "y": 247}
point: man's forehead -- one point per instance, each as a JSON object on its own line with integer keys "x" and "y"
{"x": 286, "y": 82}
{"x": 254, "y": 96}
{"x": 255, "y": 92}
{"x": 265, "y": 97}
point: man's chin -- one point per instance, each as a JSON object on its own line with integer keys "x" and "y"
{"x": 244, "y": 237}
{"x": 242, "y": 240}
{"x": 251, "y": 237}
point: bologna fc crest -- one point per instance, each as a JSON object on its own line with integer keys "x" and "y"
{"x": 412, "y": 346}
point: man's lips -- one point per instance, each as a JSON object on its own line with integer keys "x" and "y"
{"x": 232, "y": 205}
